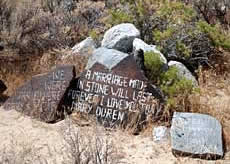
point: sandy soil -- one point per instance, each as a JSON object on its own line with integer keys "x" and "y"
{"x": 35, "y": 140}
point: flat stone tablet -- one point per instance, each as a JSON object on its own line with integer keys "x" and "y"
{"x": 196, "y": 135}
{"x": 43, "y": 96}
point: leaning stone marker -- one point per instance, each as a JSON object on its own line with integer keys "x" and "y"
{"x": 196, "y": 135}
{"x": 115, "y": 90}
{"x": 43, "y": 96}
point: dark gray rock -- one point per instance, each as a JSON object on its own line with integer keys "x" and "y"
{"x": 2, "y": 87}
{"x": 43, "y": 97}
{"x": 140, "y": 59}
{"x": 114, "y": 89}
{"x": 120, "y": 37}
{"x": 196, "y": 135}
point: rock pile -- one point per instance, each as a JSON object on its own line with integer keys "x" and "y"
{"x": 114, "y": 89}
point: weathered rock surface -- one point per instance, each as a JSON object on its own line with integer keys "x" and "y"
{"x": 160, "y": 133}
{"x": 196, "y": 135}
{"x": 120, "y": 37}
{"x": 140, "y": 44}
{"x": 43, "y": 97}
{"x": 2, "y": 87}
{"x": 183, "y": 72}
{"x": 107, "y": 57}
{"x": 115, "y": 90}
{"x": 86, "y": 46}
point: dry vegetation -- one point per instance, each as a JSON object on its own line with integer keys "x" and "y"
{"x": 37, "y": 34}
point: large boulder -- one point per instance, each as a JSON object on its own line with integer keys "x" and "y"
{"x": 120, "y": 37}
{"x": 43, "y": 97}
{"x": 140, "y": 44}
{"x": 86, "y": 46}
{"x": 196, "y": 135}
{"x": 183, "y": 72}
{"x": 2, "y": 87}
{"x": 114, "y": 89}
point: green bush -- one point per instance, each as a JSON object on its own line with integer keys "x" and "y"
{"x": 153, "y": 65}
{"x": 177, "y": 90}
{"x": 118, "y": 17}
{"x": 219, "y": 39}
{"x": 172, "y": 84}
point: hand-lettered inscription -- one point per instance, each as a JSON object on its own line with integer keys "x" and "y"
{"x": 112, "y": 94}
{"x": 43, "y": 96}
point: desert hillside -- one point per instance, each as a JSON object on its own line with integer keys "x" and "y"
{"x": 114, "y": 81}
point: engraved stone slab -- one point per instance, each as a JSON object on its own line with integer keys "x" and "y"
{"x": 43, "y": 96}
{"x": 196, "y": 135}
{"x": 116, "y": 93}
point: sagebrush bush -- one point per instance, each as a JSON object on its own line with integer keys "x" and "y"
{"x": 153, "y": 65}
{"x": 213, "y": 11}
{"x": 177, "y": 90}
{"x": 219, "y": 39}
{"x": 36, "y": 27}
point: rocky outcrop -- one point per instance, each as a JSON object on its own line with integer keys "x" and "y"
{"x": 120, "y": 37}
{"x": 140, "y": 44}
{"x": 183, "y": 72}
{"x": 86, "y": 46}
{"x": 196, "y": 135}
{"x": 43, "y": 97}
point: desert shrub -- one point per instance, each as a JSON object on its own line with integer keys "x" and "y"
{"x": 42, "y": 25}
{"x": 118, "y": 16}
{"x": 186, "y": 44}
{"x": 213, "y": 11}
{"x": 218, "y": 37}
{"x": 177, "y": 90}
{"x": 86, "y": 149}
{"x": 153, "y": 65}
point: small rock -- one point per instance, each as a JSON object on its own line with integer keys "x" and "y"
{"x": 196, "y": 135}
{"x": 87, "y": 45}
{"x": 2, "y": 87}
{"x": 139, "y": 44}
{"x": 120, "y": 37}
{"x": 160, "y": 133}
{"x": 183, "y": 72}
{"x": 107, "y": 57}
